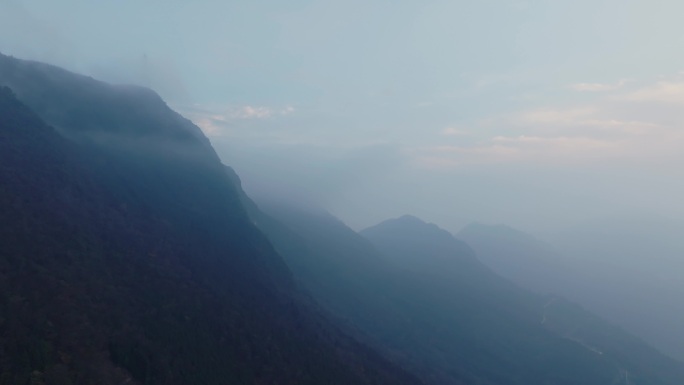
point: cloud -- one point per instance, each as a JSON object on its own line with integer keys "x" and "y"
{"x": 638, "y": 126}
{"x": 562, "y": 141}
{"x": 662, "y": 92}
{"x": 455, "y": 131}
{"x": 223, "y": 120}
{"x": 254, "y": 112}
{"x": 598, "y": 87}
{"x": 596, "y": 120}
{"x": 251, "y": 112}
{"x": 556, "y": 115}
{"x": 208, "y": 125}
{"x": 506, "y": 149}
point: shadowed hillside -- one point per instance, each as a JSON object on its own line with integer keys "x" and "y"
{"x": 128, "y": 258}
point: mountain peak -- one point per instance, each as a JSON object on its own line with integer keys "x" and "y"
{"x": 411, "y": 226}
{"x": 413, "y": 235}
{"x": 410, "y": 218}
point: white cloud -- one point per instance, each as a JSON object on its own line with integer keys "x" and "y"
{"x": 556, "y": 115}
{"x": 662, "y": 92}
{"x": 219, "y": 120}
{"x": 255, "y": 112}
{"x": 454, "y": 131}
{"x": 598, "y": 87}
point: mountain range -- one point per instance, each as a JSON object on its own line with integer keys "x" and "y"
{"x": 626, "y": 271}
{"x": 131, "y": 255}
{"x": 422, "y": 297}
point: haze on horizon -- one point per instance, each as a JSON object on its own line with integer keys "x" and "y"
{"x": 538, "y": 114}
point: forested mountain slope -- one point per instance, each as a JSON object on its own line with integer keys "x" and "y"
{"x": 127, "y": 257}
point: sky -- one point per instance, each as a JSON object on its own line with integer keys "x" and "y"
{"x": 537, "y": 114}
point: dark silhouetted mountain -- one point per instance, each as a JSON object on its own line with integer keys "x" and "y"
{"x": 126, "y": 255}
{"x": 423, "y": 299}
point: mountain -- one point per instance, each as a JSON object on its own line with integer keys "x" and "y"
{"x": 632, "y": 360}
{"x": 425, "y": 237}
{"x": 368, "y": 296}
{"x": 128, "y": 258}
{"x": 635, "y": 264}
{"x": 131, "y": 255}
{"x": 624, "y": 271}
{"x": 519, "y": 257}
{"x": 422, "y": 298}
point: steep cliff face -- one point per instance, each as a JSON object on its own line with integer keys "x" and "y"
{"x": 127, "y": 256}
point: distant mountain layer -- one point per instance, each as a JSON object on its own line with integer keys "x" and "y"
{"x": 520, "y": 322}
{"x": 517, "y": 256}
{"x": 127, "y": 256}
{"x": 423, "y": 298}
{"x": 626, "y": 271}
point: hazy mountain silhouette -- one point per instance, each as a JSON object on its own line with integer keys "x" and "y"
{"x": 519, "y": 257}
{"x": 635, "y": 264}
{"x": 422, "y": 298}
{"x": 626, "y": 271}
{"x": 127, "y": 256}
{"x": 512, "y": 313}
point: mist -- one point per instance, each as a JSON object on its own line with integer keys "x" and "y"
{"x": 503, "y": 112}
{"x": 560, "y": 119}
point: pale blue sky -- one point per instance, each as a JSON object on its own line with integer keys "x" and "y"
{"x": 531, "y": 113}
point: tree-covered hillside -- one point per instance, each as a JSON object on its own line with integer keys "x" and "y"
{"x": 126, "y": 256}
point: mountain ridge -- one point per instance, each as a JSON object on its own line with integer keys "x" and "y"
{"x": 441, "y": 324}
{"x": 133, "y": 260}
{"x": 596, "y": 268}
